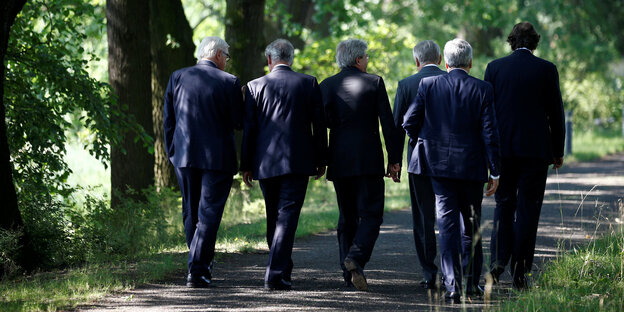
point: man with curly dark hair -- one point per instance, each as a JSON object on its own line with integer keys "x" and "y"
{"x": 530, "y": 118}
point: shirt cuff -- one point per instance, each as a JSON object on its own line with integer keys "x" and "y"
{"x": 494, "y": 177}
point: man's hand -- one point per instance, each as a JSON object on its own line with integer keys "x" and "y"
{"x": 558, "y": 162}
{"x": 491, "y": 187}
{"x": 320, "y": 171}
{"x": 394, "y": 172}
{"x": 247, "y": 178}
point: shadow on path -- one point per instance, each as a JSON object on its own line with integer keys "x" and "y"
{"x": 582, "y": 200}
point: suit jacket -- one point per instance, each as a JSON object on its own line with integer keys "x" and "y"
{"x": 203, "y": 106}
{"x": 355, "y": 103}
{"x": 405, "y": 95}
{"x": 453, "y": 123}
{"x": 285, "y": 130}
{"x": 528, "y": 106}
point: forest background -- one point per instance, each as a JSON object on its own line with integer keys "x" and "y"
{"x": 84, "y": 177}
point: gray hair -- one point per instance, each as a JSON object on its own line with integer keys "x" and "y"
{"x": 427, "y": 52}
{"x": 349, "y": 50}
{"x": 280, "y": 50}
{"x": 457, "y": 53}
{"x": 209, "y": 47}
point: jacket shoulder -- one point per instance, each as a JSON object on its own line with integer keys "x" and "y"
{"x": 303, "y": 76}
{"x": 372, "y": 77}
{"x": 329, "y": 81}
{"x": 481, "y": 83}
{"x": 410, "y": 79}
{"x": 430, "y": 79}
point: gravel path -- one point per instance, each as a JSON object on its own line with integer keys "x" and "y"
{"x": 582, "y": 200}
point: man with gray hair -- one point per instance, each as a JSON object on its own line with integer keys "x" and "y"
{"x": 355, "y": 103}
{"x": 453, "y": 127}
{"x": 284, "y": 143}
{"x": 427, "y": 57}
{"x": 204, "y": 157}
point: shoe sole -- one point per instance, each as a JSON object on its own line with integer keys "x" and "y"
{"x": 197, "y": 285}
{"x": 358, "y": 280}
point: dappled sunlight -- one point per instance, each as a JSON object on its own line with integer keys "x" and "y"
{"x": 575, "y": 213}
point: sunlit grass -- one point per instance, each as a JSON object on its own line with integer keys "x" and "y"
{"x": 50, "y": 291}
{"x": 595, "y": 143}
{"x": 585, "y": 279}
{"x": 243, "y": 229}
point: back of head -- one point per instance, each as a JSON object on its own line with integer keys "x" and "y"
{"x": 427, "y": 52}
{"x": 209, "y": 47}
{"x": 349, "y": 50}
{"x": 523, "y": 35}
{"x": 280, "y": 50}
{"x": 457, "y": 53}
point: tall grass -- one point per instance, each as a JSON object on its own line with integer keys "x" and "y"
{"x": 65, "y": 289}
{"x": 590, "y": 278}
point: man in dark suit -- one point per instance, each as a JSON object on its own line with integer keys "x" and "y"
{"x": 285, "y": 142}
{"x": 531, "y": 125}
{"x": 203, "y": 106}
{"x": 355, "y": 102}
{"x": 453, "y": 125}
{"x": 427, "y": 56}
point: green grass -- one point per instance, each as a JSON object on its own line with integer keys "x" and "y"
{"x": 50, "y": 291}
{"x": 586, "y": 279}
{"x": 595, "y": 143}
{"x": 243, "y": 230}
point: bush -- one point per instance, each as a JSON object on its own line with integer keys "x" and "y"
{"x": 133, "y": 229}
{"x": 47, "y": 226}
{"x": 9, "y": 251}
{"x": 63, "y": 233}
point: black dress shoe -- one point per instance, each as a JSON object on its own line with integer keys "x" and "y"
{"x": 198, "y": 281}
{"x": 279, "y": 285}
{"x": 495, "y": 273}
{"x": 520, "y": 282}
{"x": 428, "y": 284}
{"x": 452, "y": 297}
{"x": 357, "y": 274}
{"x": 475, "y": 291}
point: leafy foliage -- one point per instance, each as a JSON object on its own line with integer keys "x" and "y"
{"x": 47, "y": 83}
{"x": 583, "y": 38}
{"x": 132, "y": 229}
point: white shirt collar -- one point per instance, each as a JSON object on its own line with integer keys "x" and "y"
{"x": 452, "y": 69}
{"x": 523, "y": 48}
{"x": 430, "y": 65}
{"x": 276, "y": 66}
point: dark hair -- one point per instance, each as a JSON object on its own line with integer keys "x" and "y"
{"x": 523, "y": 35}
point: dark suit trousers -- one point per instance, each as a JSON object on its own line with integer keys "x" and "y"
{"x": 284, "y": 196}
{"x": 423, "y": 217}
{"x": 458, "y": 211}
{"x": 519, "y": 200}
{"x": 204, "y": 193}
{"x": 361, "y": 203}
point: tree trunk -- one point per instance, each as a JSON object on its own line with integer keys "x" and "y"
{"x": 300, "y": 12}
{"x": 129, "y": 70}
{"x": 480, "y": 39}
{"x": 10, "y": 216}
{"x": 172, "y": 48}
{"x": 244, "y": 24}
